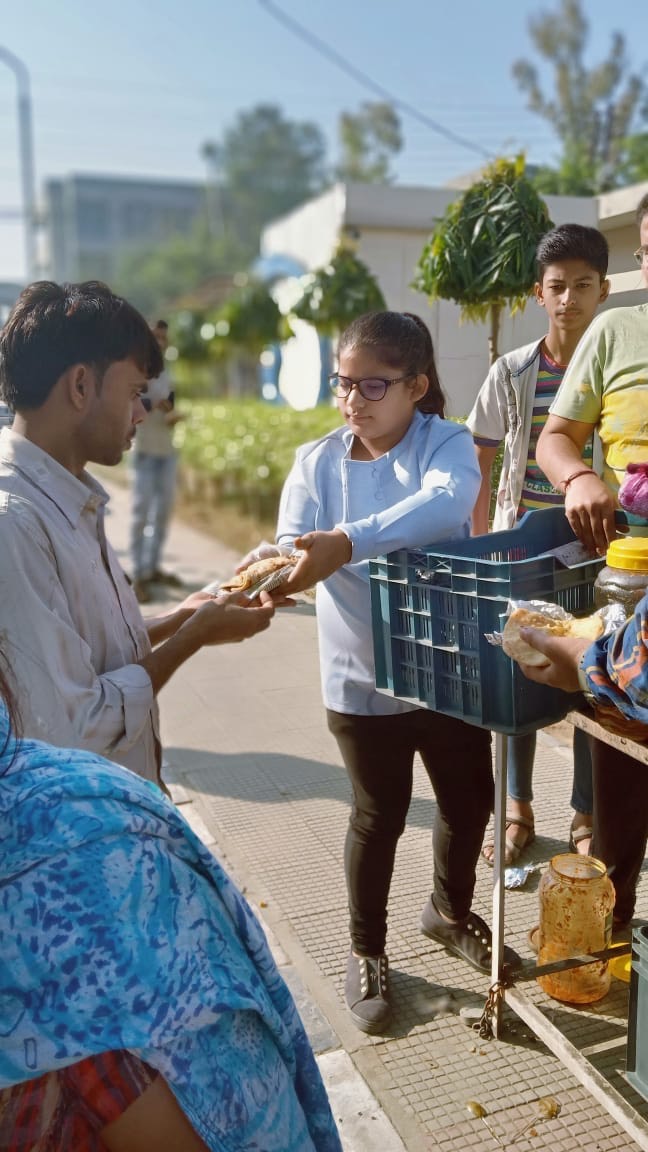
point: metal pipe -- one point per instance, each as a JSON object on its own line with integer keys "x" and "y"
{"x": 26, "y": 149}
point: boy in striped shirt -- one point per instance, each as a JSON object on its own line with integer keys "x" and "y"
{"x": 513, "y": 406}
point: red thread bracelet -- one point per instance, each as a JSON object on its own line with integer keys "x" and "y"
{"x": 564, "y": 484}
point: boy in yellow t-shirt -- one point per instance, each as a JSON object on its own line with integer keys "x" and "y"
{"x": 605, "y": 388}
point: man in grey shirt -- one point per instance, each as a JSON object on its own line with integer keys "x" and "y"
{"x": 75, "y": 361}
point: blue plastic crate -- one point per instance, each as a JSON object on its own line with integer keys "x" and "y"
{"x": 431, "y": 608}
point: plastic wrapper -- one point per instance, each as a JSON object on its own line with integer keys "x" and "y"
{"x": 262, "y": 552}
{"x": 517, "y": 877}
{"x": 633, "y": 493}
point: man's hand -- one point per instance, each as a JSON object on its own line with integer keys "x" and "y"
{"x": 325, "y": 552}
{"x": 195, "y": 600}
{"x": 590, "y": 507}
{"x": 563, "y": 653}
{"x": 221, "y": 618}
{"x": 230, "y": 617}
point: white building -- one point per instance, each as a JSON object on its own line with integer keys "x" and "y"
{"x": 390, "y": 225}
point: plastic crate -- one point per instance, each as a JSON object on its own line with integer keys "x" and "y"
{"x": 431, "y": 608}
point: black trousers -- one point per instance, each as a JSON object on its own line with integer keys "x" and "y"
{"x": 620, "y": 820}
{"x": 378, "y": 752}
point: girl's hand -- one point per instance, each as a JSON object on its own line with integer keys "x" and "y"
{"x": 325, "y": 552}
{"x": 261, "y": 552}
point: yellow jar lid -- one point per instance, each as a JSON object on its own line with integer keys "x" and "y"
{"x": 630, "y": 554}
{"x": 621, "y": 967}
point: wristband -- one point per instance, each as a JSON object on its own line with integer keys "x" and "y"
{"x": 564, "y": 484}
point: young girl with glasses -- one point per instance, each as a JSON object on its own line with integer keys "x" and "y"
{"x": 395, "y": 475}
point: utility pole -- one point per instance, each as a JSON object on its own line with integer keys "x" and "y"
{"x": 26, "y": 149}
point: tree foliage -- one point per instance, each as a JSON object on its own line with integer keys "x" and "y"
{"x": 369, "y": 139}
{"x": 152, "y": 278}
{"x": 247, "y": 322}
{"x": 334, "y": 295}
{"x": 481, "y": 253}
{"x": 265, "y": 165}
{"x": 592, "y": 110}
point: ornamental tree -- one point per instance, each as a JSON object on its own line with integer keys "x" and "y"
{"x": 335, "y": 295}
{"x": 481, "y": 253}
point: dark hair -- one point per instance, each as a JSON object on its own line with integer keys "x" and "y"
{"x": 161, "y": 324}
{"x": 402, "y": 340}
{"x": 54, "y": 326}
{"x": 573, "y": 242}
{"x": 8, "y": 696}
{"x": 642, "y": 209}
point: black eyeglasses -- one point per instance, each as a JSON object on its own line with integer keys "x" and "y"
{"x": 373, "y": 388}
{"x": 641, "y": 255}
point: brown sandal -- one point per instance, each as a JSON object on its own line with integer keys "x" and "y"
{"x": 512, "y": 851}
{"x": 577, "y": 835}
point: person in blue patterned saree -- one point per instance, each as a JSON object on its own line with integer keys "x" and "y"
{"x": 140, "y": 1005}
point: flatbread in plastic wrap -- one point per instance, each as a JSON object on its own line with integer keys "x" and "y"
{"x": 586, "y": 627}
{"x": 258, "y": 570}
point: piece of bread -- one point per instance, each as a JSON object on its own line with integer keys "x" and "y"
{"x": 587, "y": 627}
{"x": 256, "y": 571}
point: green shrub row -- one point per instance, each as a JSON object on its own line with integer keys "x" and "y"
{"x": 245, "y": 448}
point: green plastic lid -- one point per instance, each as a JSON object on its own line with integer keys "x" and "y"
{"x": 629, "y": 554}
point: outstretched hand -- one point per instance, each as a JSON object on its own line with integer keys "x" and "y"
{"x": 231, "y": 617}
{"x": 563, "y": 655}
{"x": 324, "y": 553}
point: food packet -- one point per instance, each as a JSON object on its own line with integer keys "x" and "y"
{"x": 553, "y": 618}
{"x": 264, "y": 556}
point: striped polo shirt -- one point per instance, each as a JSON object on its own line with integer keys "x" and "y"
{"x": 537, "y": 492}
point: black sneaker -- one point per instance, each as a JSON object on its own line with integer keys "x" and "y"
{"x": 470, "y": 938}
{"x": 367, "y": 992}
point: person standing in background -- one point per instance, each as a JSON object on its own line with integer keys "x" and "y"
{"x": 512, "y": 406}
{"x": 154, "y": 481}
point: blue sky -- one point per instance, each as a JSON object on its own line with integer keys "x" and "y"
{"x": 135, "y": 87}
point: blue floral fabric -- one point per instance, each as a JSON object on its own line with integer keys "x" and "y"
{"x": 118, "y": 929}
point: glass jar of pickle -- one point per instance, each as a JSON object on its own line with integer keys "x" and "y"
{"x": 624, "y": 578}
{"x": 576, "y": 903}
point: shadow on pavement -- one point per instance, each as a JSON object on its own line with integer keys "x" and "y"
{"x": 273, "y": 778}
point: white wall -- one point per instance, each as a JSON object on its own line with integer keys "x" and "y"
{"x": 390, "y": 226}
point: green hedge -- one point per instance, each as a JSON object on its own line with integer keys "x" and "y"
{"x": 245, "y": 448}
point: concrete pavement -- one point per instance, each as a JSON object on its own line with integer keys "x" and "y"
{"x": 252, "y": 764}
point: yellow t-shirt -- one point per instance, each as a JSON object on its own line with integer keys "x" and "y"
{"x": 606, "y": 384}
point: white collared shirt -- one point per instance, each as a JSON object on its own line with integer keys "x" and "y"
{"x": 70, "y": 627}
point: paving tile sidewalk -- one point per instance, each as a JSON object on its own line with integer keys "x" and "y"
{"x": 259, "y": 775}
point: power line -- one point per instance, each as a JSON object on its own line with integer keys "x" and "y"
{"x": 325, "y": 50}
